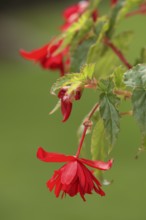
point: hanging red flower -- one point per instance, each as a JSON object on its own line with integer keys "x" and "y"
{"x": 72, "y": 13}
{"x": 47, "y": 60}
{"x": 114, "y": 2}
{"x": 73, "y": 177}
{"x": 66, "y": 101}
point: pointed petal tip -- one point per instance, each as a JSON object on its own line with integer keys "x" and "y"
{"x": 102, "y": 193}
{"x": 110, "y": 162}
{"x": 101, "y": 165}
{"x": 40, "y": 153}
{"x": 23, "y": 53}
{"x": 52, "y": 156}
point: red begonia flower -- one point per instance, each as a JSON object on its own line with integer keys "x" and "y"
{"x": 46, "y": 58}
{"x": 66, "y": 102}
{"x": 140, "y": 10}
{"x": 114, "y": 2}
{"x": 73, "y": 177}
{"x": 72, "y": 13}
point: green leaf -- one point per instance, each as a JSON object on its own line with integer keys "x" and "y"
{"x": 79, "y": 56}
{"x": 139, "y": 107}
{"x": 136, "y": 77}
{"x": 64, "y": 81}
{"x": 142, "y": 58}
{"x": 113, "y": 17}
{"x": 143, "y": 55}
{"x": 139, "y": 112}
{"x": 75, "y": 80}
{"x": 106, "y": 85}
{"x": 106, "y": 60}
{"x": 110, "y": 115}
{"x": 99, "y": 147}
{"x": 98, "y": 142}
{"x": 76, "y": 32}
{"x": 128, "y": 5}
{"x": 88, "y": 71}
{"x": 118, "y": 77}
{"x": 101, "y": 27}
{"x": 119, "y": 12}
{"x": 94, "y": 4}
{"x": 123, "y": 40}
{"x": 96, "y": 49}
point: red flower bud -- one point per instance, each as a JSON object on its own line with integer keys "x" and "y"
{"x": 66, "y": 102}
{"x": 78, "y": 95}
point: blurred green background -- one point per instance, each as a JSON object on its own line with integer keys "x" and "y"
{"x": 25, "y": 124}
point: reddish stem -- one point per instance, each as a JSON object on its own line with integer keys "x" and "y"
{"x": 124, "y": 93}
{"x": 137, "y": 12}
{"x": 126, "y": 113}
{"x": 86, "y": 124}
{"x": 141, "y": 10}
{"x": 81, "y": 141}
{"x": 117, "y": 52}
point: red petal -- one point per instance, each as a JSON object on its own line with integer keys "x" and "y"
{"x": 70, "y": 11}
{"x": 58, "y": 188}
{"x": 81, "y": 193}
{"x": 114, "y": 2}
{"x": 35, "y": 54}
{"x": 89, "y": 182}
{"x": 81, "y": 176}
{"x": 72, "y": 189}
{"x": 66, "y": 108}
{"x": 99, "y": 191}
{"x": 69, "y": 172}
{"x": 97, "y": 164}
{"x": 52, "y": 182}
{"x": 52, "y": 157}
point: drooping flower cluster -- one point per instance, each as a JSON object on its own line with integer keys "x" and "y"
{"x": 73, "y": 177}
{"x": 45, "y": 55}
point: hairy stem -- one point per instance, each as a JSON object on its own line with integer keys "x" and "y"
{"x": 119, "y": 54}
{"x": 126, "y": 113}
{"x": 87, "y": 124}
{"x": 124, "y": 93}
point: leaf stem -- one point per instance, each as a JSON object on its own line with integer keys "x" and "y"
{"x": 126, "y": 113}
{"x": 124, "y": 93}
{"x": 87, "y": 123}
{"x": 119, "y": 54}
{"x": 141, "y": 10}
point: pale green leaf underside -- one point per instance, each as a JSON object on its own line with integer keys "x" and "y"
{"x": 136, "y": 77}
